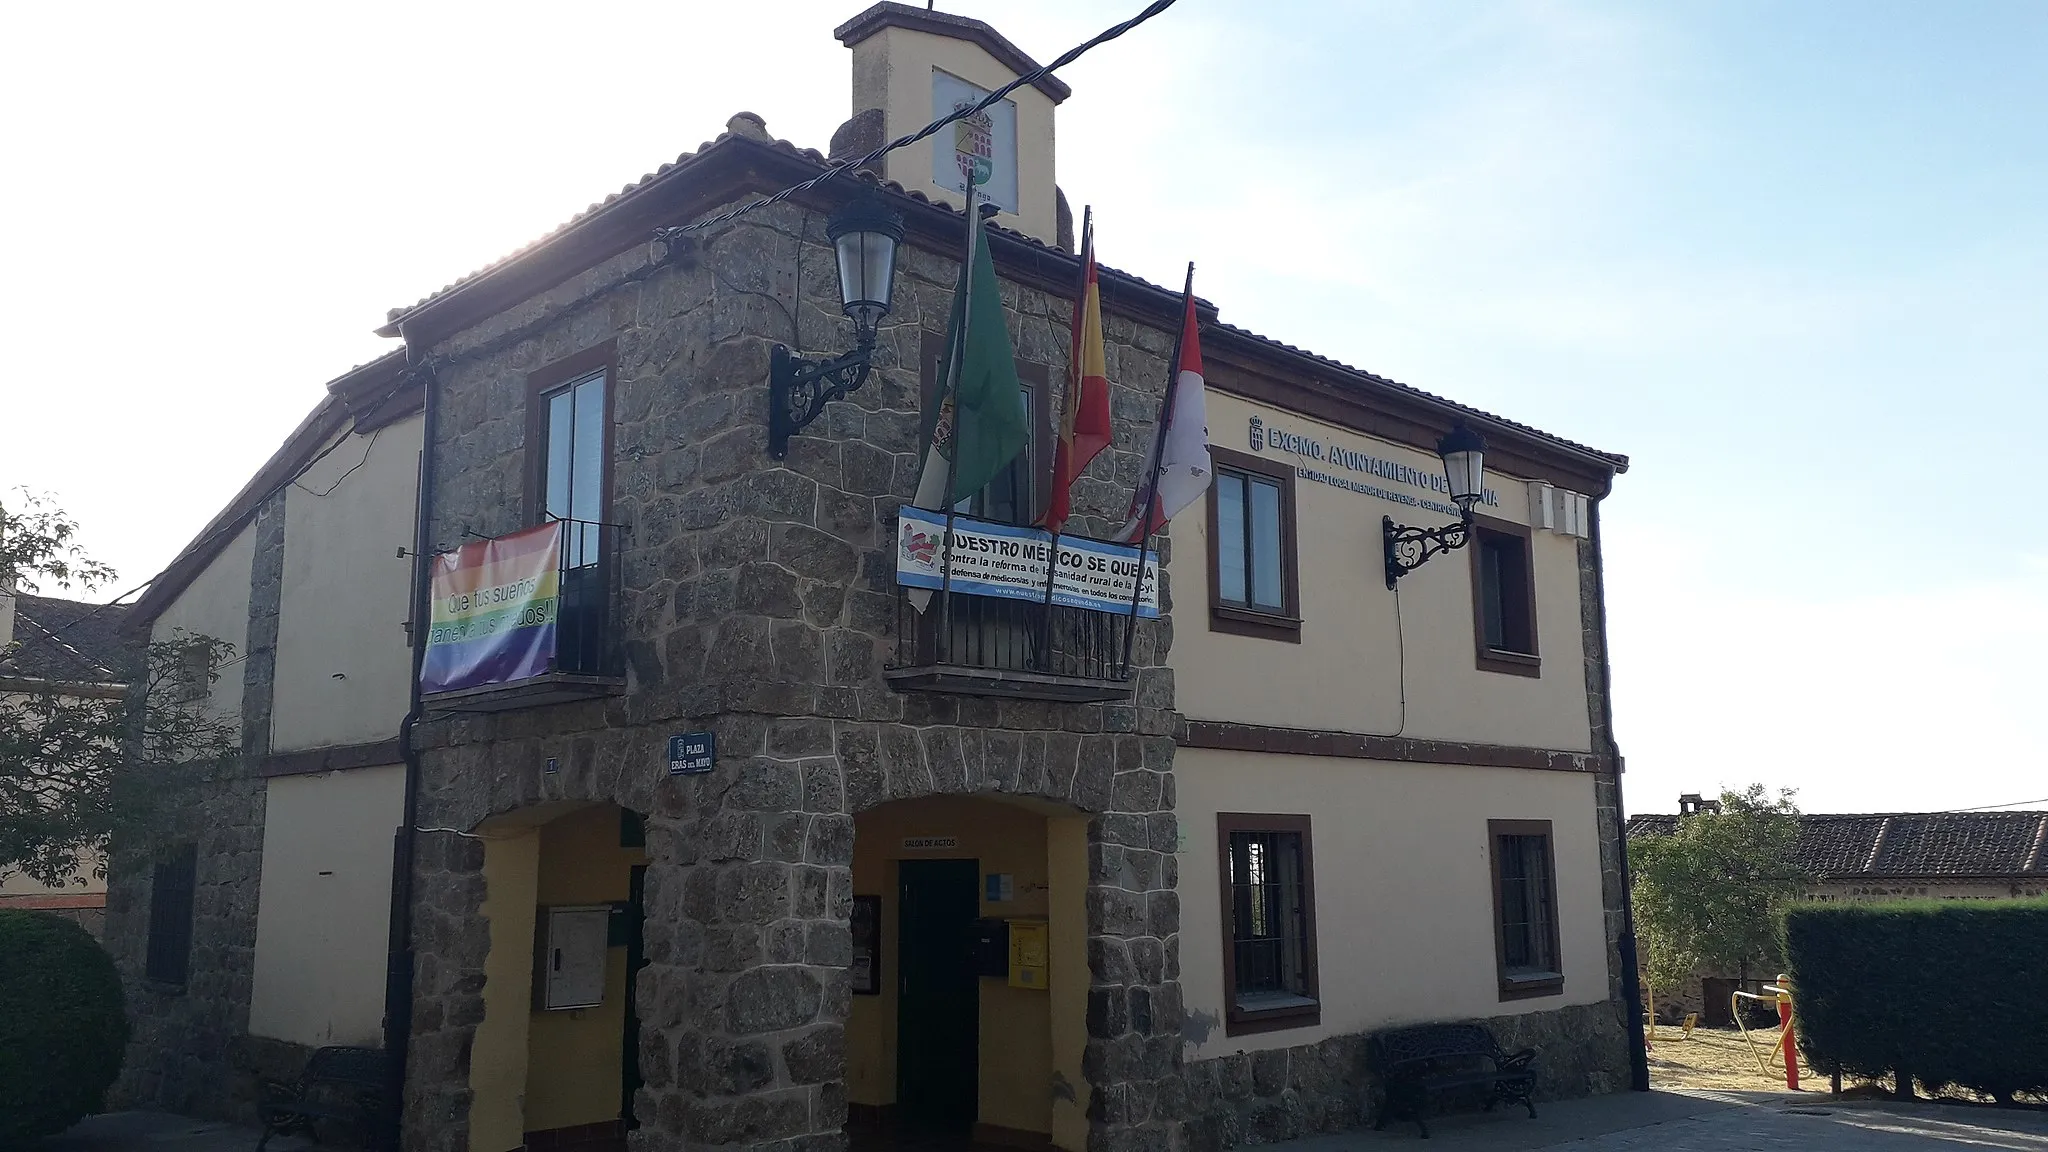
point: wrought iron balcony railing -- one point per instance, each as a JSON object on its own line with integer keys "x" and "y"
{"x": 499, "y": 640}
{"x": 984, "y": 646}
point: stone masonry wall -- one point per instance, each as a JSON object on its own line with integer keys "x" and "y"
{"x": 189, "y": 1050}
{"x": 1330, "y": 1086}
{"x": 759, "y": 603}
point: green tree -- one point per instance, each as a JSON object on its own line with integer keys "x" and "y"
{"x": 75, "y": 769}
{"x": 1708, "y": 896}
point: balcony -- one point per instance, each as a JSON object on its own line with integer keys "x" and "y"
{"x": 526, "y": 620}
{"x": 1001, "y": 637}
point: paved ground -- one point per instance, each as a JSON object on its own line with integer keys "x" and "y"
{"x": 163, "y": 1132}
{"x": 1699, "y": 1121}
{"x": 1626, "y": 1122}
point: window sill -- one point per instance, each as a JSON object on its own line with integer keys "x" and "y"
{"x": 1271, "y": 1013}
{"x": 1511, "y": 663}
{"x": 1527, "y": 985}
{"x": 1245, "y": 622}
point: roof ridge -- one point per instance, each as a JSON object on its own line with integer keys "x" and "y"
{"x": 1884, "y": 831}
{"x": 2035, "y": 858}
{"x": 49, "y": 637}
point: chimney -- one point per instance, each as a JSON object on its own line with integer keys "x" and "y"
{"x": 1691, "y": 804}
{"x": 911, "y": 66}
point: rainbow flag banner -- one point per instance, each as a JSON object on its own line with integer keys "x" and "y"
{"x": 494, "y": 612}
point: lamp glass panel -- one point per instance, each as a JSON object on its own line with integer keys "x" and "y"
{"x": 1466, "y": 472}
{"x": 867, "y": 267}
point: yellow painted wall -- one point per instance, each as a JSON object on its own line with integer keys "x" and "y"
{"x": 1017, "y": 1052}
{"x": 323, "y": 911}
{"x": 1403, "y": 886}
{"x": 216, "y": 604}
{"x": 892, "y": 70}
{"x": 1066, "y": 860}
{"x": 497, "y": 1059}
{"x": 1347, "y": 672}
{"x": 342, "y": 660}
{"x": 575, "y": 1056}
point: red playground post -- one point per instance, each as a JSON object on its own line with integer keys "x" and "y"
{"x": 1788, "y": 1045}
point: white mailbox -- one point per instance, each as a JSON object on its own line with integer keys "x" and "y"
{"x": 573, "y": 953}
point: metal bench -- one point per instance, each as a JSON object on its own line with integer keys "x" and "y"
{"x": 338, "y": 1083}
{"x": 1418, "y": 1063}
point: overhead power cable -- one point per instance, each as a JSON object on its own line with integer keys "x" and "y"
{"x": 2007, "y": 804}
{"x": 669, "y": 235}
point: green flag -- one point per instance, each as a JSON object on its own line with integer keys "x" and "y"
{"x": 980, "y": 425}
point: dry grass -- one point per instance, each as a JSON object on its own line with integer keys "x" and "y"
{"x": 1718, "y": 1058}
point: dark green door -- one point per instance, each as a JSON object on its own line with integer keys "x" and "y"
{"x": 938, "y": 998}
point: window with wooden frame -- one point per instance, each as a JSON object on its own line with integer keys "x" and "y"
{"x": 167, "y": 956}
{"x": 1269, "y": 922}
{"x": 1253, "y": 587}
{"x": 1504, "y": 598}
{"x": 1018, "y": 493}
{"x": 569, "y": 449}
{"x": 1525, "y": 909}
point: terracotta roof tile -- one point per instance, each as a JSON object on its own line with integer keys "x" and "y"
{"x": 68, "y": 640}
{"x": 1617, "y": 461}
{"x": 1908, "y": 843}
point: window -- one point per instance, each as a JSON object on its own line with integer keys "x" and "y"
{"x": 569, "y": 429}
{"x": 169, "y": 951}
{"x": 1016, "y": 495}
{"x": 1504, "y": 599}
{"x": 1252, "y": 586}
{"x": 568, "y": 435}
{"x": 1525, "y": 909}
{"x": 1269, "y": 922}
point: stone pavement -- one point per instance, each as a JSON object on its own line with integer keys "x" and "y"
{"x": 163, "y": 1132}
{"x": 1624, "y": 1122}
{"x": 1709, "y": 1122}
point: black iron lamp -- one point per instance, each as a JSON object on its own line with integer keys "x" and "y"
{"x": 1464, "y": 454}
{"x": 864, "y": 234}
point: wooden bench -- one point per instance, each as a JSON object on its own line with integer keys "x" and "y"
{"x": 338, "y": 1083}
{"x": 1418, "y": 1063}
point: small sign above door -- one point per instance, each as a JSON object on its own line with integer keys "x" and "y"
{"x": 930, "y": 843}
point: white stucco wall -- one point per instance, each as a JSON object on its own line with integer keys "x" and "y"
{"x": 1347, "y": 672}
{"x": 324, "y": 910}
{"x": 216, "y": 604}
{"x": 342, "y": 659}
{"x": 1403, "y": 887}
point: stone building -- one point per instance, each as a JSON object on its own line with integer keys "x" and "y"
{"x": 1871, "y": 857}
{"x": 764, "y": 856}
{"x": 77, "y": 651}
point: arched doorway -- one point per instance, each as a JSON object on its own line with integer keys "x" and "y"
{"x": 970, "y": 973}
{"x": 555, "y": 1060}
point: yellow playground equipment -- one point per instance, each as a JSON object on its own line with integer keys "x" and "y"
{"x": 1650, "y": 1018}
{"x": 1785, "y": 1052}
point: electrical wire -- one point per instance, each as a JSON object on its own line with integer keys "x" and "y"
{"x": 668, "y": 235}
{"x": 2007, "y": 804}
{"x": 329, "y": 490}
{"x": 1064, "y": 59}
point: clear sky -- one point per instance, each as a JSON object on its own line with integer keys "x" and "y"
{"x": 1789, "y": 257}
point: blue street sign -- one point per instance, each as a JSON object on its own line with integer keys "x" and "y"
{"x": 690, "y": 753}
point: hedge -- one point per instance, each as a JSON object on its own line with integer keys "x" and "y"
{"x": 62, "y": 1025}
{"x": 1946, "y": 993}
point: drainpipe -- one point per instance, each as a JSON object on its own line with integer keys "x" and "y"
{"x": 1625, "y": 948}
{"x": 399, "y": 961}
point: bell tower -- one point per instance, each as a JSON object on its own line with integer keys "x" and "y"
{"x": 911, "y": 66}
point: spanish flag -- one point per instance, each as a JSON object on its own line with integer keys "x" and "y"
{"x": 1084, "y": 413}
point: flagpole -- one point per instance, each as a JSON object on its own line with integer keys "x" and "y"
{"x": 1158, "y": 450}
{"x": 945, "y": 647}
{"x": 1073, "y": 397}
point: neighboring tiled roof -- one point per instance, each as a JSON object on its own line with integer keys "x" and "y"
{"x": 1908, "y": 843}
{"x": 68, "y": 640}
{"x": 1616, "y": 461}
